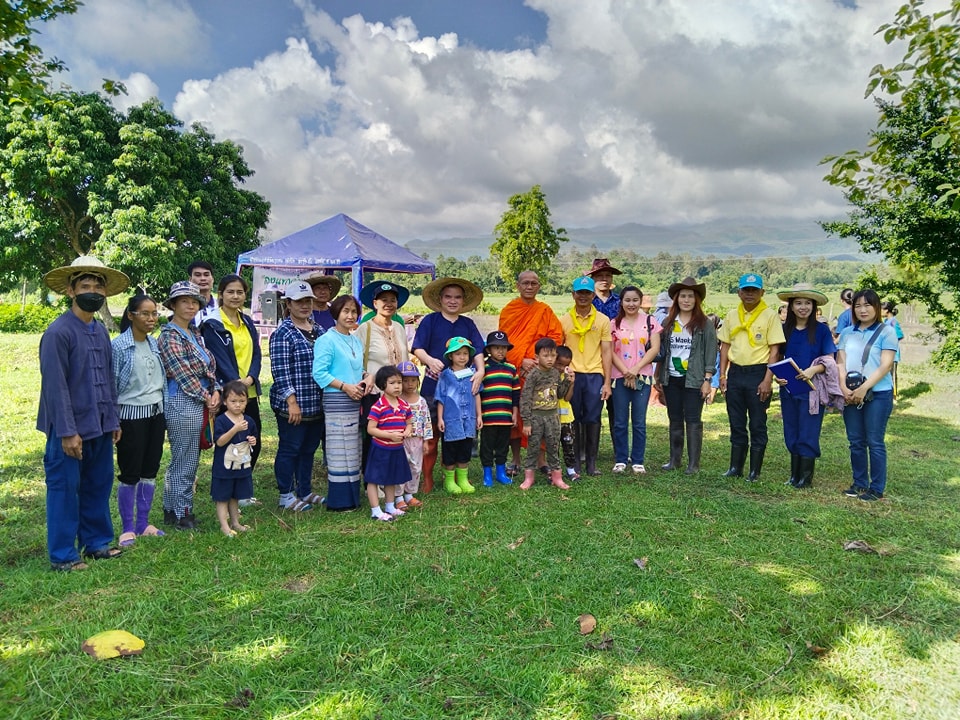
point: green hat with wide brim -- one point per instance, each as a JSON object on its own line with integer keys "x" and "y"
{"x": 457, "y": 342}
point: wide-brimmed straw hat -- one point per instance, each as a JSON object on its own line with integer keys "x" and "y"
{"x": 472, "y": 294}
{"x": 688, "y": 283}
{"x": 331, "y": 281}
{"x": 803, "y": 290}
{"x": 373, "y": 290}
{"x": 183, "y": 288}
{"x": 602, "y": 265}
{"x": 114, "y": 281}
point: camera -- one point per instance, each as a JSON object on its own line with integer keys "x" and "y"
{"x": 855, "y": 380}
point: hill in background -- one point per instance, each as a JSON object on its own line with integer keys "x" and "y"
{"x": 767, "y": 237}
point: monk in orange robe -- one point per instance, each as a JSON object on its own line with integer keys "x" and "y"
{"x": 525, "y": 320}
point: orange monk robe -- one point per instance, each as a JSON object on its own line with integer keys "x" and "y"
{"x": 524, "y": 324}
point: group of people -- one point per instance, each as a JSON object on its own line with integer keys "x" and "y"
{"x": 385, "y": 408}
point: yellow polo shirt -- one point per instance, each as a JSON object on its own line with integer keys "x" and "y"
{"x": 242, "y": 348}
{"x": 588, "y": 360}
{"x": 766, "y": 330}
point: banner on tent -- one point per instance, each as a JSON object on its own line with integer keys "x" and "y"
{"x": 267, "y": 280}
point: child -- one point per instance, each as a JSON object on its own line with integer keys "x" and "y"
{"x": 458, "y": 414}
{"x": 234, "y": 434}
{"x": 389, "y": 422}
{"x": 565, "y": 411}
{"x": 422, "y": 430}
{"x": 538, "y": 409}
{"x": 499, "y": 398}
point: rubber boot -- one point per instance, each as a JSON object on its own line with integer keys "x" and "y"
{"x": 502, "y": 476}
{"x": 694, "y": 445}
{"x": 806, "y": 466}
{"x": 126, "y": 497}
{"x": 145, "y": 491}
{"x": 449, "y": 483}
{"x": 794, "y": 470}
{"x": 488, "y": 477}
{"x": 529, "y": 478}
{"x": 591, "y": 439}
{"x": 738, "y": 456}
{"x": 463, "y": 483}
{"x": 577, "y": 430}
{"x": 429, "y": 462}
{"x": 556, "y": 479}
{"x": 756, "y": 463}
{"x": 676, "y": 446}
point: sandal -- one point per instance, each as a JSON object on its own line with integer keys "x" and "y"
{"x": 414, "y": 503}
{"x": 382, "y": 517}
{"x": 619, "y": 467}
{"x": 127, "y": 539}
{"x": 400, "y": 504}
{"x": 249, "y": 502}
{"x": 69, "y": 566}
{"x": 240, "y": 528}
{"x": 152, "y": 531}
{"x": 107, "y": 553}
{"x": 397, "y": 512}
{"x": 298, "y": 506}
{"x": 312, "y": 499}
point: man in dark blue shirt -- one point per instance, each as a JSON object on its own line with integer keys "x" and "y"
{"x": 78, "y": 413}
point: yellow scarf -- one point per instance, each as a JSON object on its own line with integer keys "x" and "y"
{"x": 579, "y": 329}
{"x": 746, "y": 322}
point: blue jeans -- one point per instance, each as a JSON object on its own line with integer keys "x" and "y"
{"x": 623, "y": 398}
{"x": 293, "y": 463}
{"x": 866, "y": 427}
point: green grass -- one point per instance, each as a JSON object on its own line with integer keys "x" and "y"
{"x": 469, "y": 608}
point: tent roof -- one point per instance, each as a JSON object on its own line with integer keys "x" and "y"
{"x": 338, "y": 243}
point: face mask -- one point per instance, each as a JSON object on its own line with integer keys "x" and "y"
{"x": 89, "y": 302}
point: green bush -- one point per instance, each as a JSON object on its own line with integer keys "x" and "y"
{"x": 33, "y": 318}
{"x": 947, "y": 356}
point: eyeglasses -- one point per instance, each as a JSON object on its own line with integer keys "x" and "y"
{"x": 144, "y": 314}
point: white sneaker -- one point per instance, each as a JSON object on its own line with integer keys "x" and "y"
{"x": 639, "y": 469}
{"x": 619, "y": 467}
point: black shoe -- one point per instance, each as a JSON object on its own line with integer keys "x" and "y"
{"x": 853, "y": 491}
{"x": 870, "y": 496}
{"x": 187, "y": 522}
{"x": 169, "y": 517}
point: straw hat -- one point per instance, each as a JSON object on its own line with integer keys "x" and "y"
{"x": 688, "y": 283}
{"x": 331, "y": 281}
{"x": 114, "y": 281}
{"x": 183, "y": 288}
{"x": 472, "y": 294}
{"x": 803, "y": 290}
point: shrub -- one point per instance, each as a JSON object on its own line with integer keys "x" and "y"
{"x": 33, "y": 318}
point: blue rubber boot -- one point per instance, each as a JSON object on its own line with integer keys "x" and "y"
{"x": 502, "y": 476}
{"x": 488, "y": 477}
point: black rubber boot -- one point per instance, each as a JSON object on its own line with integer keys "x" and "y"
{"x": 738, "y": 456}
{"x": 756, "y": 463}
{"x": 676, "y": 446}
{"x": 694, "y": 445}
{"x": 794, "y": 470}
{"x": 577, "y": 430}
{"x": 805, "y": 472}
{"x": 591, "y": 440}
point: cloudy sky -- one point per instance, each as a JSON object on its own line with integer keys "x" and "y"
{"x": 420, "y": 118}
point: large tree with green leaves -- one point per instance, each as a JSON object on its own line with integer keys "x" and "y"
{"x": 24, "y": 69}
{"x": 525, "y": 239}
{"x": 904, "y": 185}
{"x": 136, "y": 189}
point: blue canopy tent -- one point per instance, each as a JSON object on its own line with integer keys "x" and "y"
{"x": 337, "y": 243}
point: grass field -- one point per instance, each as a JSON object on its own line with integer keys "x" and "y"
{"x": 747, "y": 605}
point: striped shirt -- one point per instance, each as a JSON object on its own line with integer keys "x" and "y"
{"x": 390, "y": 418}
{"x": 499, "y": 393}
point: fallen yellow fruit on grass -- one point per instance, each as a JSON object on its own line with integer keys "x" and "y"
{"x": 111, "y": 644}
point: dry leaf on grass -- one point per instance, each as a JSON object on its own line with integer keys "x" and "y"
{"x": 111, "y": 644}
{"x": 860, "y": 546}
{"x": 816, "y": 650}
{"x": 588, "y": 623}
{"x": 516, "y": 543}
{"x": 242, "y": 699}
{"x": 606, "y": 643}
{"x": 640, "y": 563}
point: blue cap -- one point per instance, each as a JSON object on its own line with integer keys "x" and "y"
{"x": 751, "y": 280}
{"x": 583, "y": 282}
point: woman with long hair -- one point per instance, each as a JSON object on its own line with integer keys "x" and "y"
{"x": 810, "y": 346}
{"x": 684, "y": 376}
{"x": 141, "y": 387}
{"x": 338, "y": 369}
{"x": 231, "y": 335}
{"x": 636, "y": 342}
{"x": 865, "y": 359}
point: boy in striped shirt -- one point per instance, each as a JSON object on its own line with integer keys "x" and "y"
{"x": 499, "y": 403}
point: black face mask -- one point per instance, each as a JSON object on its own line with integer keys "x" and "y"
{"x": 89, "y": 302}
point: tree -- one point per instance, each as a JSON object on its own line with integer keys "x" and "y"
{"x": 904, "y": 186}
{"x": 79, "y": 177}
{"x": 23, "y": 68}
{"x": 524, "y": 239}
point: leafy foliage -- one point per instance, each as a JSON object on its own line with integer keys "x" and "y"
{"x": 32, "y": 319}
{"x": 904, "y": 186}
{"x": 78, "y": 177}
{"x": 525, "y": 239}
{"x": 23, "y": 68}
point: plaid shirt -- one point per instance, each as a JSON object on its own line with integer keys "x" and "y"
{"x": 123, "y": 349}
{"x": 193, "y": 369}
{"x": 291, "y": 362}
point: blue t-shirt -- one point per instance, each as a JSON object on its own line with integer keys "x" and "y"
{"x": 854, "y": 339}
{"x": 228, "y": 461}
{"x": 803, "y": 352}
{"x": 432, "y": 335}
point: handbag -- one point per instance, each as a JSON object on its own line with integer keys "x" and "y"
{"x": 662, "y": 353}
{"x": 206, "y": 431}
